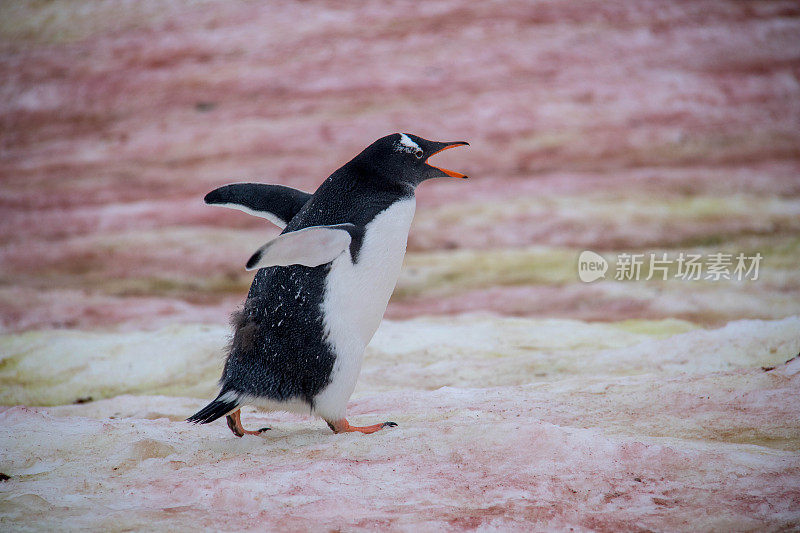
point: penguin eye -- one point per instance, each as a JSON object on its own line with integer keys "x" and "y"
{"x": 418, "y": 153}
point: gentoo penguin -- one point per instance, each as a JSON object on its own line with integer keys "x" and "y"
{"x": 322, "y": 285}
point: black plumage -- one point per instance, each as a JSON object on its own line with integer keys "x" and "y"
{"x": 279, "y": 351}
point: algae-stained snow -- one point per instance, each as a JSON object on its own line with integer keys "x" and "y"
{"x": 503, "y": 423}
{"x": 526, "y": 399}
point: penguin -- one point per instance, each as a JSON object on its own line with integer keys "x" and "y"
{"x": 322, "y": 286}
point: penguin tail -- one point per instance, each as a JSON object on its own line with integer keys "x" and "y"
{"x": 221, "y": 406}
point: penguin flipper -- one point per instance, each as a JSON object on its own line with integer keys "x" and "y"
{"x": 312, "y": 246}
{"x": 276, "y": 203}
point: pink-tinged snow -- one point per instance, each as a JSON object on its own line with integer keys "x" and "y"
{"x": 453, "y": 464}
{"x": 526, "y": 400}
{"x": 703, "y": 437}
{"x": 612, "y": 127}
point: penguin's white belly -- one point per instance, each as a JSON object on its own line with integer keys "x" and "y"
{"x": 355, "y": 299}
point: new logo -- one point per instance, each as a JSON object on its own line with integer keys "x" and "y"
{"x": 591, "y": 266}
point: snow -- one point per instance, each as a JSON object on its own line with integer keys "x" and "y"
{"x": 654, "y": 425}
{"x": 526, "y": 399}
{"x": 180, "y": 358}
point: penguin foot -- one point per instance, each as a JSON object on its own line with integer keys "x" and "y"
{"x": 235, "y": 424}
{"x": 342, "y": 426}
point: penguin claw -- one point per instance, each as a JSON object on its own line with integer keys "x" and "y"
{"x": 342, "y": 426}
{"x": 235, "y": 424}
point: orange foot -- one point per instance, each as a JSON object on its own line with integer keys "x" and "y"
{"x": 235, "y": 423}
{"x": 342, "y": 426}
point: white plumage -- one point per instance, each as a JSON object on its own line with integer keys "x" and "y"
{"x": 355, "y": 299}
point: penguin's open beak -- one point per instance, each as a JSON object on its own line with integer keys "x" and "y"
{"x": 440, "y": 147}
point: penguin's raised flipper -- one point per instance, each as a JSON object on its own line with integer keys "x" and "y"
{"x": 312, "y": 246}
{"x": 276, "y": 203}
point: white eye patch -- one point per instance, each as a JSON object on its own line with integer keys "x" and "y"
{"x": 405, "y": 144}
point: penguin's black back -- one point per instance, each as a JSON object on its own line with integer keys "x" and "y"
{"x": 279, "y": 350}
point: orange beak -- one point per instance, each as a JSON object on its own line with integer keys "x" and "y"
{"x": 451, "y": 173}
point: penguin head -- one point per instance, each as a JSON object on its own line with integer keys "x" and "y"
{"x": 402, "y": 159}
